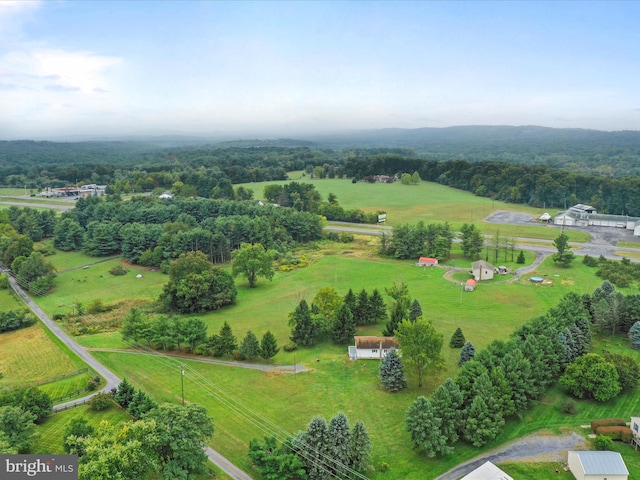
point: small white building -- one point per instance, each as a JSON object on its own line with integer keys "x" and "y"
{"x": 635, "y": 430}
{"x": 597, "y": 465}
{"x": 487, "y": 471}
{"x": 372, "y": 347}
{"x": 482, "y": 270}
{"x": 166, "y": 196}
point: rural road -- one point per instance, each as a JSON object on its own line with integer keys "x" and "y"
{"x": 112, "y": 380}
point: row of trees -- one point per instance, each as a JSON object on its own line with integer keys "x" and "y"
{"x": 15, "y": 319}
{"x": 323, "y": 451}
{"x": 335, "y": 316}
{"x": 501, "y": 380}
{"x": 190, "y": 334}
{"x": 412, "y": 241}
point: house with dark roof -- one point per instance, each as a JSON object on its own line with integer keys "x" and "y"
{"x": 597, "y": 465}
{"x": 372, "y": 347}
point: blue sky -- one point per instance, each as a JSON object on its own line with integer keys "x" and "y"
{"x": 299, "y": 67}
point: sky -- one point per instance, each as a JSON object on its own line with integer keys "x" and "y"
{"x": 118, "y": 68}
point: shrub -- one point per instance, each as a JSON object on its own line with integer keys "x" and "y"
{"x": 100, "y": 402}
{"x": 569, "y": 407}
{"x": 616, "y": 433}
{"x": 58, "y": 316}
{"x": 590, "y": 261}
{"x": 91, "y": 386}
{"x": 96, "y": 306}
{"x": 4, "y": 281}
{"x": 602, "y": 442}
{"x": 346, "y": 237}
{"x": 290, "y": 347}
{"x": 333, "y": 236}
{"x": 607, "y": 422}
{"x": 118, "y": 270}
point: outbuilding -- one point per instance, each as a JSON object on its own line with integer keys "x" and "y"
{"x": 470, "y": 285}
{"x": 487, "y": 471}
{"x": 482, "y": 270}
{"x": 427, "y": 262}
{"x": 597, "y": 465}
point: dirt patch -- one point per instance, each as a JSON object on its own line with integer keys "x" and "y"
{"x": 512, "y": 218}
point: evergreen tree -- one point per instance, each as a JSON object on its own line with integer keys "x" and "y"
{"x": 391, "y": 372}
{"x": 302, "y": 326}
{"x": 415, "y": 311}
{"x": 480, "y": 428}
{"x": 492, "y": 399}
{"x": 226, "y": 342}
{"x": 425, "y": 428}
{"x": 340, "y": 444}
{"x": 396, "y": 317}
{"x": 503, "y": 391}
{"x": 362, "y": 314}
{"x": 447, "y": 403}
{"x": 467, "y": 353}
{"x": 350, "y": 300}
{"x": 634, "y": 335}
{"x": 125, "y": 393}
{"x": 344, "y": 327}
{"x": 520, "y": 260}
{"x": 268, "y": 346}
{"x": 141, "y": 403}
{"x": 315, "y": 449}
{"x": 457, "y": 339}
{"x": 250, "y": 347}
{"x": 360, "y": 448}
{"x": 517, "y": 371}
{"x": 377, "y": 308}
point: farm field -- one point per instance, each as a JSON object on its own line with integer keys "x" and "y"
{"x": 429, "y": 202}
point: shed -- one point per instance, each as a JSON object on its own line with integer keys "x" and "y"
{"x": 487, "y": 471}
{"x": 597, "y": 465}
{"x": 427, "y": 262}
{"x": 470, "y": 285}
{"x": 635, "y": 430}
{"x": 482, "y": 270}
{"x": 372, "y": 347}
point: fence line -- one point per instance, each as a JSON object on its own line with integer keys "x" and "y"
{"x": 47, "y": 380}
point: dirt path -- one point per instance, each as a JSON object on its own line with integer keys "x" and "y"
{"x": 533, "y": 448}
{"x": 298, "y": 368}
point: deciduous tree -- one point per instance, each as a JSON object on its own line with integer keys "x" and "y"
{"x": 420, "y": 345}
{"x": 564, "y": 256}
{"x": 253, "y": 261}
{"x": 591, "y": 376}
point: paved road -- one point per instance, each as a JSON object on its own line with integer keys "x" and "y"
{"x": 112, "y": 380}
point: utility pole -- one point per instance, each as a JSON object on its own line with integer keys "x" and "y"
{"x": 182, "y": 381}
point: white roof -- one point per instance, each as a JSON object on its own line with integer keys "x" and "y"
{"x": 487, "y": 471}
{"x": 601, "y": 463}
{"x": 545, "y": 216}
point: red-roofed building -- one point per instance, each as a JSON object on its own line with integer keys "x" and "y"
{"x": 470, "y": 285}
{"x": 427, "y": 262}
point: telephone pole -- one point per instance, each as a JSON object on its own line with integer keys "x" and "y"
{"x": 182, "y": 381}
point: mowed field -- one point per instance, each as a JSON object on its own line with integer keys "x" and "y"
{"x": 333, "y": 383}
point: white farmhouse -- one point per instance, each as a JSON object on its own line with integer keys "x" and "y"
{"x": 372, "y": 347}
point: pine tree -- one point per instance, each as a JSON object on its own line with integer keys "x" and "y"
{"x": 140, "y": 404}
{"x": 479, "y": 423}
{"x": 415, "y": 311}
{"x": 397, "y": 315}
{"x": 250, "y": 347}
{"x": 467, "y": 353}
{"x": 226, "y": 341}
{"x": 520, "y": 260}
{"x": 447, "y": 403}
{"x": 377, "y": 307}
{"x": 492, "y": 399}
{"x": 339, "y": 444}
{"x": 457, "y": 339}
{"x": 350, "y": 300}
{"x": 634, "y": 335}
{"x": 362, "y": 314}
{"x": 391, "y": 372}
{"x": 268, "y": 346}
{"x": 302, "y": 327}
{"x": 425, "y": 428}
{"x": 344, "y": 327}
{"x": 315, "y": 448}
{"x": 360, "y": 448}
{"x": 125, "y": 393}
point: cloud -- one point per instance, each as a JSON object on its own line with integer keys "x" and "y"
{"x": 60, "y": 88}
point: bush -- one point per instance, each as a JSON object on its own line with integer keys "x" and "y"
{"x": 290, "y": 347}
{"x": 346, "y": 237}
{"x": 91, "y": 386}
{"x": 590, "y": 261}
{"x": 4, "y": 282}
{"x": 616, "y": 433}
{"x": 100, "y": 402}
{"x": 96, "y": 306}
{"x": 602, "y": 442}
{"x": 607, "y": 422}
{"x": 58, "y": 316}
{"x": 333, "y": 236}
{"x": 569, "y": 407}
{"x": 118, "y": 270}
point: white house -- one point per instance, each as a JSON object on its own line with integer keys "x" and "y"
{"x": 487, "y": 471}
{"x": 597, "y": 465}
{"x": 635, "y": 430}
{"x": 482, "y": 270}
{"x": 372, "y": 347}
